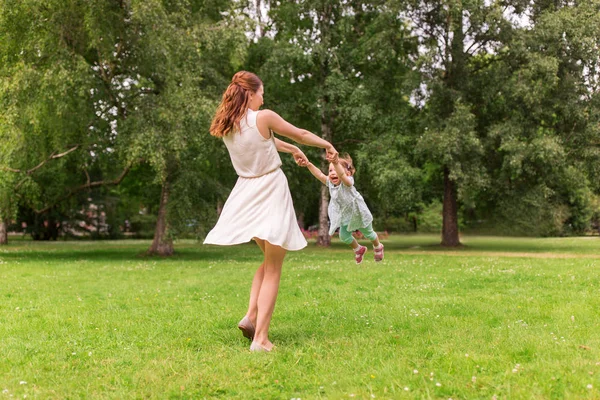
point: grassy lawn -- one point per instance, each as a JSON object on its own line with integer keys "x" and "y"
{"x": 504, "y": 318}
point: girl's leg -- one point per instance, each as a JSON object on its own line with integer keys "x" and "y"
{"x": 267, "y": 295}
{"x": 346, "y": 237}
{"x": 372, "y": 236}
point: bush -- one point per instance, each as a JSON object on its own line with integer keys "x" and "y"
{"x": 430, "y": 219}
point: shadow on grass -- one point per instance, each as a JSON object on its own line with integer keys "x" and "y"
{"x": 97, "y": 252}
{"x": 135, "y": 250}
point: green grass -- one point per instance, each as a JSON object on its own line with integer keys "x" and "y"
{"x": 100, "y": 320}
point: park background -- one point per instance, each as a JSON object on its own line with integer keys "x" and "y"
{"x": 469, "y": 122}
{"x": 485, "y": 113}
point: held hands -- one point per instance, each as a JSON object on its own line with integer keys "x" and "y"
{"x": 300, "y": 158}
{"x": 332, "y": 154}
{"x": 303, "y": 163}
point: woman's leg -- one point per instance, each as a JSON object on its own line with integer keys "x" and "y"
{"x": 256, "y": 282}
{"x": 267, "y": 295}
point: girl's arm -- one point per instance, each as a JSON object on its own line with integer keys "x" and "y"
{"x": 341, "y": 172}
{"x": 268, "y": 120}
{"x": 317, "y": 173}
{"x": 285, "y": 147}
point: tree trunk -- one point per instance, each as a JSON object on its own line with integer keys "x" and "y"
{"x": 3, "y": 231}
{"x": 449, "y": 213}
{"x": 300, "y": 217}
{"x": 324, "y": 239}
{"x": 162, "y": 245}
{"x": 456, "y": 79}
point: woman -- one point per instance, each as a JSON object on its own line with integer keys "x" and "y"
{"x": 260, "y": 205}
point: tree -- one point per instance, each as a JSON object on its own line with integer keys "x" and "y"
{"x": 143, "y": 96}
{"x": 452, "y": 37}
{"x": 312, "y": 56}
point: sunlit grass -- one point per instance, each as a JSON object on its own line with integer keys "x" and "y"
{"x": 100, "y": 320}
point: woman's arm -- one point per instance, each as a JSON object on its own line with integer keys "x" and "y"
{"x": 341, "y": 172}
{"x": 268, "y": 120}
{"x": 317, "y": 173}
{"x": 286, "y": 147}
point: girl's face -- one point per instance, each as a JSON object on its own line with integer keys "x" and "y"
{"x": 256, "y": 99}
{"x": 333, "y": 176}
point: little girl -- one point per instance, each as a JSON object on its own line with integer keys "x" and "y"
{"x": 347, "y": 208}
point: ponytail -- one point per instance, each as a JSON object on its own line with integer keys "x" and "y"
{"x": 234, "y": 103}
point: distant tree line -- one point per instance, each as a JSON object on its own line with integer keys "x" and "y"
{"x": 461, "y": 116}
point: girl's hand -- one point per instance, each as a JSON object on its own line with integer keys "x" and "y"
{"x": 332, "y": 154}
{"x": 303, "y": 163}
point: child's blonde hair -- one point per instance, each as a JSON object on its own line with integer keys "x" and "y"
{"x": 347, "y": 163}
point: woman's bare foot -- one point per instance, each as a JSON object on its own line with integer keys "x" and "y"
{"x": 261, "y": 347}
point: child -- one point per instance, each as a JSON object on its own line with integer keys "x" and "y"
{"x": 347, "y": 208}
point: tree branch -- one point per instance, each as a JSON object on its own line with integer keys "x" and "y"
{"x": 53, "y": 156}
{"x": 88, "y": 185}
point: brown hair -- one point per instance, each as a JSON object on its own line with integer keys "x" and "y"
{"x": 347, "y": 163}
{"x": 234, "y": 103}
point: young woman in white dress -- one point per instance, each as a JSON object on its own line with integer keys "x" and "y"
{"x": 260, "y": 205}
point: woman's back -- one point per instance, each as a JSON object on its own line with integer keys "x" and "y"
{"x": 251, "y": 154}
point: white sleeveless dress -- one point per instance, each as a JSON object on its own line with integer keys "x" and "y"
{"x": 260, "y": 204}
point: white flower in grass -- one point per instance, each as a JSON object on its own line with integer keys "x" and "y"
{"x": 415, "y": 371}
{"x": 438, "y": 384}
{"x": 473, "y": 379}
{"x": 590, "y": 386}
{"x": 22, "y": 383}
{"x": 406, "y": 389}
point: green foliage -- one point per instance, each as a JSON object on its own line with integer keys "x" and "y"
{"x": 409, "y": 89}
